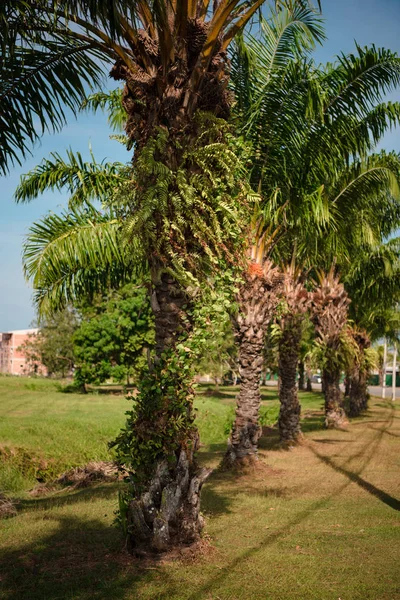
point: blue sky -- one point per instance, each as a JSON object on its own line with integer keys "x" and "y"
{"x": 366, "y": 21}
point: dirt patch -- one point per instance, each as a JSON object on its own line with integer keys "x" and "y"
{"x": 80, "y": 477}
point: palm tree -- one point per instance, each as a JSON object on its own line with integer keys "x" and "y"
{"x": 329, "y": 314}
{"x": 284, "y": 36}
{"x": 295, "y": 306}
{"x": 306, "y": 124}
{"x": 363, "y": 363}
{"x": 257, "y": 299}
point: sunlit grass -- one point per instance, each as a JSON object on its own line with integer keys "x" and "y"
{"x": 320, "y": 522}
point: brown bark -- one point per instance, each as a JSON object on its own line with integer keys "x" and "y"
{"x": 301, "y": 376}
{"x": 168, "y": 512}
{"x": 329, "y": 315}
{"x": 289, "y": 348}
{"x": 358, "y": 389}
{"x": 246, "y": 431}
{"x": 257, "y": 300}
{"x": 358, "y": 394}
{"x": 168, "y": 303}
{"x": 334, "y": 412}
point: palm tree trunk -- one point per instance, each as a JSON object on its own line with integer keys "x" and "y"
{"x": 334, "y": 412}
{"x": 257, "y": 301}
{"x": 358, "y": 395}
{"x": 246, "y": 430}
{"x": 301, "y": 376}
{"x": 308, "y": 379}
{"x": 167, "y": 511}
{"x": 168, "y": 303}
{"x": 289, "y": 414}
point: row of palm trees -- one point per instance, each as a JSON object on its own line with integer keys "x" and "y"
{"x": 302, "y": 137}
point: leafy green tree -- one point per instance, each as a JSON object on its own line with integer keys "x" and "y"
{"x": 53, "y": 345}
{"x": 113, "y": 337}
{"x": 220, "y": 354}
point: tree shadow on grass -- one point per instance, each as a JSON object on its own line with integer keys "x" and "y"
{"x": 214, "y": 503}
{"x": 81, "y": 559}
{"x": 355, "y": 476}
{"x": 312, "y": 423}
{"x": 368, "y": 452}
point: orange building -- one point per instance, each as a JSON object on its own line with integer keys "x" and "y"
{"x": 12, "y": 357}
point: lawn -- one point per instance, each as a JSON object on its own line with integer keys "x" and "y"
{"x": 318, "y": 522}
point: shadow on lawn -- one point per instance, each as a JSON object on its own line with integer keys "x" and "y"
{"x": 85, "y": 559}
{"x": 355, "y": 476}
{"x": 368, "y": 451}
{"x": 80, "y": 559}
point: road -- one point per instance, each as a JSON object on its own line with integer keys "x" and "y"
{"x": 374, "y": 390}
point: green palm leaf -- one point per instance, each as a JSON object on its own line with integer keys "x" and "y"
{"x": 84, "y": 181}
{"x": 74, "y": 255}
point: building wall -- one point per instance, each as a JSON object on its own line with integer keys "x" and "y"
{"x": 12, "y": 359}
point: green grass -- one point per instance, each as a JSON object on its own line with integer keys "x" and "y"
{"x": 320, "y": 522}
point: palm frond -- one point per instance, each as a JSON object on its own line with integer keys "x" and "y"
{"x": 84, "y": 181}
{"x": 72, "y": 255}
{"x": 37, "y": 86}
{"x": 111, "y": 102}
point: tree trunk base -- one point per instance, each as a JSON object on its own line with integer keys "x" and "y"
{"x": 335, "y": 418}
{"x": 289, "y": 421}
{"x": 167, "y": 514}
{"x": 242, "y": 447}
{"x": 231, "y": 462}
{"x": 291, "y": 442}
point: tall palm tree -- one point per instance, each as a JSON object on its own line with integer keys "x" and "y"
{"x": 362, "y": 365}
{"x": 181, "y": 216}
{"x": 283, "y": 38}
{"x": 257, "y": 299}
{"x": 329, "y": 314}
{"x": 296, "y": 303}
